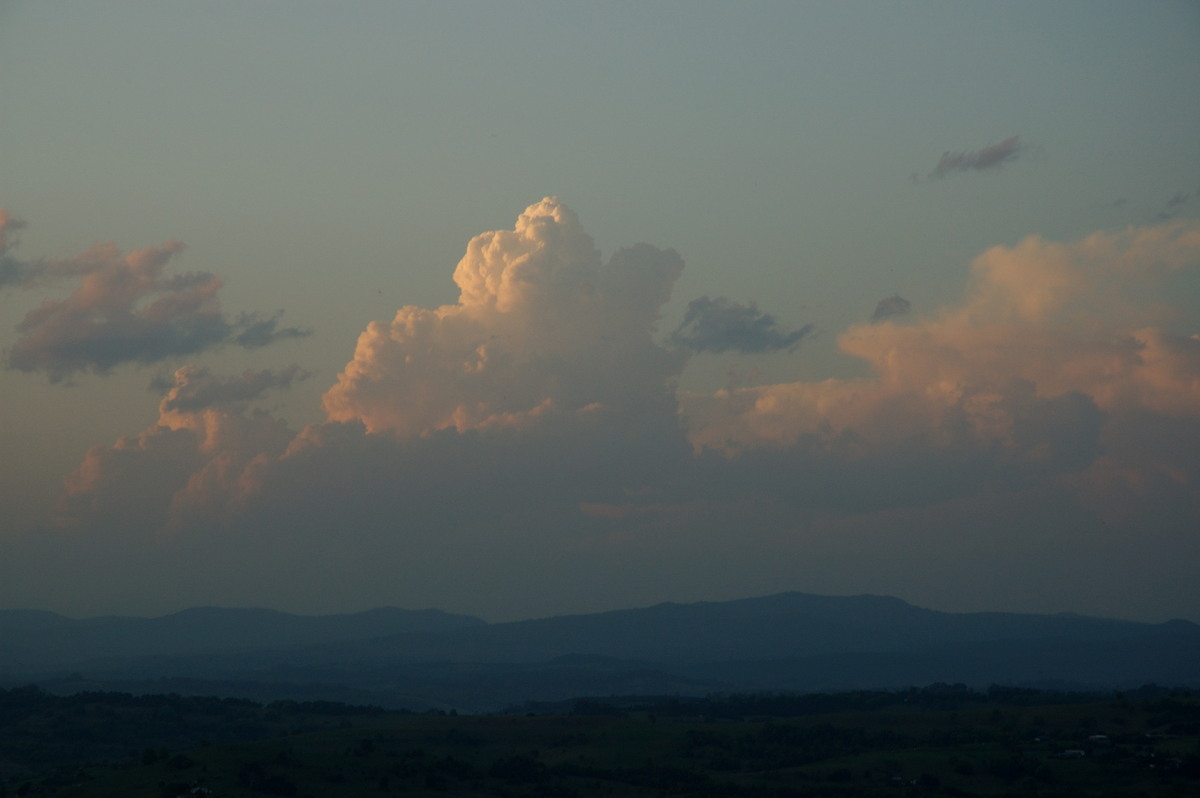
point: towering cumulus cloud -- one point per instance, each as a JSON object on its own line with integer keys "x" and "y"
{"x": 542, "y": 324}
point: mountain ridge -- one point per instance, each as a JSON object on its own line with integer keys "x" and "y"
{"x": 429, "y": 658}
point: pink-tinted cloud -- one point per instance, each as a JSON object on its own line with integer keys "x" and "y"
{"x": 1050, "y": 354}
{"x": 542, "y": 323}
{"x": 190, "y": 459}
{"x": 125, "y": 309}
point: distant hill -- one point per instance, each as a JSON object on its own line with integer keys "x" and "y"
{"x": 32, "y": 641}
{"x": 420, "y": 659}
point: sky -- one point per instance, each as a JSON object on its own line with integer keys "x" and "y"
{"x": 521, "y": 309}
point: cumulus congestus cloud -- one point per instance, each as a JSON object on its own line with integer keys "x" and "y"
{"x": 125, "y": 308}
{"x": 541, "y": 324}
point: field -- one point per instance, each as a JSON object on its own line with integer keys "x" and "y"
{"x": 936, "y": 741}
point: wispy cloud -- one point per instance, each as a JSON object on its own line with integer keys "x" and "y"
{"x": 124, "y": 309}
{"x": 1174, "y": 205}
{"x": 722, "y": 325}
{"x": 989, "y": 157}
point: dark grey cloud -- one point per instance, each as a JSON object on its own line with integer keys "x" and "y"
{"x": 255, "y": 331}
{"x": 890, "y": 307}
{"x": 722, "y": 325}
{"x": 1174, "y": 205}
{"x": 988, "y": 158}
{"x": 194, "y": 388}
{"x": 12, "y": 271}
{"x": 124, "y": 309}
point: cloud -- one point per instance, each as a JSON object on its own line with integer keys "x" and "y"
{"x": 254, "y": 332}
{"x": 12, "y": 271}
{"x": 721, "y": 325}
{"x": 187, "y": 463}
{"x": 525, "y": 450}
{"x": 194, "y": 388}
{"x": 1046, "y": 330}
{"x": 542, "y": 324}
{"x": 125, "y": 309}
{"x": 1174, "y": 205}
{"x": 989, "y": 157}
{"x": 546, "y": 366}
{"x": 890, "y": 307}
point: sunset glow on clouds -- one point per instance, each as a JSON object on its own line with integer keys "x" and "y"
{"x": 123, "y": 309}
{"x": 918, "y": 314}
{"x": 544, "y": 402}
{"x": 542, "y": 325}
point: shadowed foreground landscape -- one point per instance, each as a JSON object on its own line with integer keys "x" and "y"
{"x": 788, "y": 695}
{"x": 941, "y": 740}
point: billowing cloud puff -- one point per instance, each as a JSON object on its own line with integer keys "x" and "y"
{"x": 541, "y": 324}
{"x": 190, "y": 458}
{"x": 1038, "y": 371}
{"x": 124, "y": 310}
{"x": 721, "y": 325}
{"x": 989, "y": 157}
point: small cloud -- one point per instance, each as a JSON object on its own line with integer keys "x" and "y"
{"x": 721, "y": 325}
{"x": 256, "y": 331}
{"x": 11, "y": 270}
{"x": 194, "y": 388}
{"x": 889, "y": 307}
{"x": 988, "y": 158}
{"x": 1173, "y": 206}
